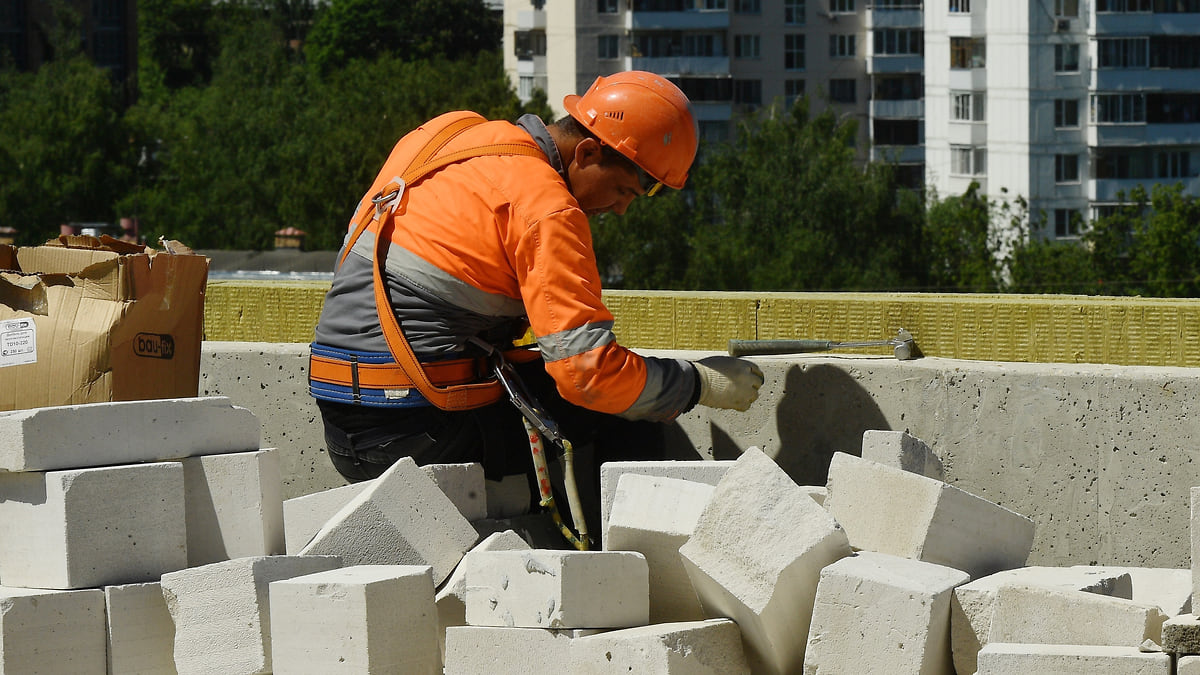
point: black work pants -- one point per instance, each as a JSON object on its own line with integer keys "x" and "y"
{"x": 364, "y": 441}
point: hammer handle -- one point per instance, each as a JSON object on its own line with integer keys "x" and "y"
{"x": 762, "y": 347}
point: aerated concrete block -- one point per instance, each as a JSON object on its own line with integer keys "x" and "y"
{"x": 401, "y": 519}
{"x": 1169, "y": 589}
{"x": 1187, "y": 665}
{"x": 655, "y": 516}
{"x": 892, "y": 511}
{"x": 369, "y": 619}
{"x": 878, "y": 613}
{"x": 711, "y": 647}
{"x": 92, "y": 527}
{"x": 222, "y": 611}
{"x": 1181, "y": 635}
{"x": 471, "y": 650}
{"x": 46, "y": 631}
{"x": 234, "y": 506}
{"x": 697, "y": 471}
{"x": 756, "y": 557}
{"x": 451, "y": 598}
{"x": 510, "y": 496}
{"x": 104, "y": 434}
{"x": 304, "y": 516}
{"x": 141, "y": 636}
{"x": 973, "y": 602}
{"x": 1027, "y": 659}
{"x": 1032, "y": 614}
{"x": 463, "y": 484}
{"x": 557, "y": 589}
{"x": 899, "y": 450}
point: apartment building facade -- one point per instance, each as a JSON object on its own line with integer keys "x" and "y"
{"x": 1067, "y": 103}
{"x": 732, "y": 57}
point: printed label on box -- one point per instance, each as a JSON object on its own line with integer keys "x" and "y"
{"x": 18, "y": 342}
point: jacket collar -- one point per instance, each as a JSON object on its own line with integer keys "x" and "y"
{"x": 536, "y": 128}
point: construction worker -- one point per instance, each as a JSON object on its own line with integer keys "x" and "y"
{"x": 490, "y": 241}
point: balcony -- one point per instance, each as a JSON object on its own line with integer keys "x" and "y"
{"x": 681, "y": 65}
{"x": 690, "y": 20}
{"x": 1110, "y": 135}
{"x": 895, "y": 18}
{"x": 899, "y": 154}
{"x": 967, "y": 133}
{"x": 531, "y": 20}
{"x": 1145, "y": 79}
{"x": 1146, "y": 24}
{"x": 887, "y": 63}
{"x": 909, "y": 109}
{"x": 1106, "y": 189}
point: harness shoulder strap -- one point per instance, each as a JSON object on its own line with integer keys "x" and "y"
{"x": 426, "y": 161}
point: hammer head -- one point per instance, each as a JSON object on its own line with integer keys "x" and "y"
{"x": 903, "y": 345}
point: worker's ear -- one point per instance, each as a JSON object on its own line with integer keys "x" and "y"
{"x": 587, "y": 152}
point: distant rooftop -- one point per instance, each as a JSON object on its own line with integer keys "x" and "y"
{"x": 282, "y": 264}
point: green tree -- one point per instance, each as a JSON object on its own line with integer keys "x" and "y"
{"x": 410, "y": 30}
{"x": 64, "y": 150}
{"x": 961, "y": 248}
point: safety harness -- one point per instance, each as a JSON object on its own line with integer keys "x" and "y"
{"x": 388, "y": 380}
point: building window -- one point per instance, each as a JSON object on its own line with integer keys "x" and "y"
{"x": 713, "y": 5}
{"x": 747, "y": 6}
{"x": 793, "y": 52}
{"x": 529, "y": 43}
{"x": 747, "y": 47}
{"x": 1175, "y": 51}
{"x": 609, "y": 47}
{"x": 1067, "y": 223}
{"x": 1118, "y": 108}
{"x": 747, "y": 92}
{"x": 793, "y": 12}
{"x": 1066, "y": 58}
{"x": 1176, "y": 164}
{"x": 1066, "y": 113}
{"x": 1066, "y": 7}
{"x": 967, "y": 106}
{"x": 906, "y": 87}
{"x": 608, "y": 6}
{"x": 1123, "y": 6}
{"x": 960, "y": 6}
{"x": 896, "y": 132}
{"x": 843, "y": 90}
{"x": 900, "y": 41}
{"x": 966, "y": 160}
{"x": 841, "y": 6}
{"x": 1066, "y": 168}
{"x": 792, "y": 90}
{"x": 1122, "y": 52}
{"x": 842, "y": 46}
{"x": 967, "y": 52}
{"x": 525, "y": 87}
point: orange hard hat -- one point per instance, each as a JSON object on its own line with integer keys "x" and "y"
{"x": 644, "y": 117}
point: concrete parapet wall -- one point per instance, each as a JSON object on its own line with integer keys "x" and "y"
{"x": 1021, "y": 328}
{"x": 1101, "y": 457}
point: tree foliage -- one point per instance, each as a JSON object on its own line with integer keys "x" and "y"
{"x": 409, "y": 30}
{"x": 784, "y": 206}
{"x": 64, "y": 148}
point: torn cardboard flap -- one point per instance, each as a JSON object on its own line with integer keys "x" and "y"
{"x": 87, "y": 325}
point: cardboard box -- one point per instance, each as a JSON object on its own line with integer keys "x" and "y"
{"x": 86, "y": 320}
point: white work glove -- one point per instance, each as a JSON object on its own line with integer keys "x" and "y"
{"x": 728, "y": 382}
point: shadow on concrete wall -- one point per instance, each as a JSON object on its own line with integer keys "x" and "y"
{"x": 822, "y": 410}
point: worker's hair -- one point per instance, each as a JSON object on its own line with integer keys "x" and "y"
{"x": 570, "y": 126}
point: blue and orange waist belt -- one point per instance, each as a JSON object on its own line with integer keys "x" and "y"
{"x": 375, "y": 379}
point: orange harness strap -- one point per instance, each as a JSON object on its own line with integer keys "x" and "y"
{"x": 450, "y": 397}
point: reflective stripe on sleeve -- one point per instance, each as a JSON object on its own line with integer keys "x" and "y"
{"x": 568, "y": 343}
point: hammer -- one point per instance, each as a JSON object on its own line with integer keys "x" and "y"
{"x": 902, "y": 346}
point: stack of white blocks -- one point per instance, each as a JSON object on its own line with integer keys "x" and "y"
{"x": 150, "y": 537}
